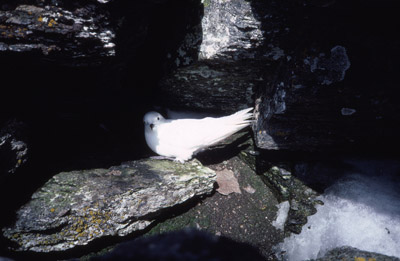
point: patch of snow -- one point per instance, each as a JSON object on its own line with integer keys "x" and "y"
{"x": 361, "y": 210}
{"x": 283, "y": 210}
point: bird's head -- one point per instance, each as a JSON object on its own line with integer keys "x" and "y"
{"x": 151, "y": 119}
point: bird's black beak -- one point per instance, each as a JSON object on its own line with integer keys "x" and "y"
{"x": 151, "y": 126}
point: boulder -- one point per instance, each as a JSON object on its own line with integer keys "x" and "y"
{"x": 222, "y": 75}
{"x": 77, "y": 207}
{"x": 289, "y": 189}
{"x": 242, "y": 209}
{"x": 351, "y": 253}
{"x": 66, "y": 33}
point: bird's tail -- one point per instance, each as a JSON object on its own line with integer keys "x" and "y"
{"x": 240, "y": 118}
{"x": 228, "y": 125}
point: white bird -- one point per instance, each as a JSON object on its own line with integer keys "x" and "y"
{"x": 182, "y": 138}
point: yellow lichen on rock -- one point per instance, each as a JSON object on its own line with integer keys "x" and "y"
{"x": 51, "y": 23}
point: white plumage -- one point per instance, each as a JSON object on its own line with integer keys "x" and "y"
{"x": 180, "y": 139}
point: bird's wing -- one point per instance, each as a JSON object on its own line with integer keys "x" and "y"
{"x": 194, "y": 134}
{"x": 182, "y": 133}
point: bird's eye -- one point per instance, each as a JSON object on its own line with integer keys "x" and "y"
{"x": 158, "y": 118}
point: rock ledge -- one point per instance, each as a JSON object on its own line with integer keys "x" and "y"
{"x": 74, "y": 208}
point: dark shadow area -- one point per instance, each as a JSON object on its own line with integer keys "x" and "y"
{"x": 184, "y": 245}
{"x": 372, "y": 183}
{"x": 215, "y": 155}
{"x": 320, "y": 170}
{"x": 366, "y": 29}
{"x": 89, "y": 115}
{"x": 304, "y": 29}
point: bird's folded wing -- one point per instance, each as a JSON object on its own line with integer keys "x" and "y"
{"x": 194, "y": 134}
{"x": 184, "y": 133}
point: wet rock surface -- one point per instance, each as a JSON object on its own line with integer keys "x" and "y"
{"x": 75, "y": 208}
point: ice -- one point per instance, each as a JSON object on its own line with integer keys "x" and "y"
{"x": 361, "y": 210}
{"x": 283, "y": 210}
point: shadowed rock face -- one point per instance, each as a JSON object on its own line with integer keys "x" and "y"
{"x": 58, "y": 32}
{"x": 225, "y": 70}
{"x": 316, "y": 84}
{"x": 13, "y": 147}
{"x": 74, "y": 208}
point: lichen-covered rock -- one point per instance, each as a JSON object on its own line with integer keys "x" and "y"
{"x": 75, "y": 208}
{"x": 56, "y": 31}
{"x": 287, "y": 187}
{"x": 351, "y": 253}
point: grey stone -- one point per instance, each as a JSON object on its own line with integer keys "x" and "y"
{"x": 243, "y": 217}
{"x": 302, "y": 199}
{"x": 218, "y": 86}
{"x": 75, "y": 208}
{"x": 230, "y": 30}
{"x": 81, "y": 32}
{"x": 351, "y": 253}
{"x": 227, "y": 70}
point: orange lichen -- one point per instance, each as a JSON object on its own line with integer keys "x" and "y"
{"x": 51, "y": 23}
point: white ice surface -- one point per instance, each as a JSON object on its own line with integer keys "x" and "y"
{"x": 281, "y": 216}
{"x": 361, "y": 210}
